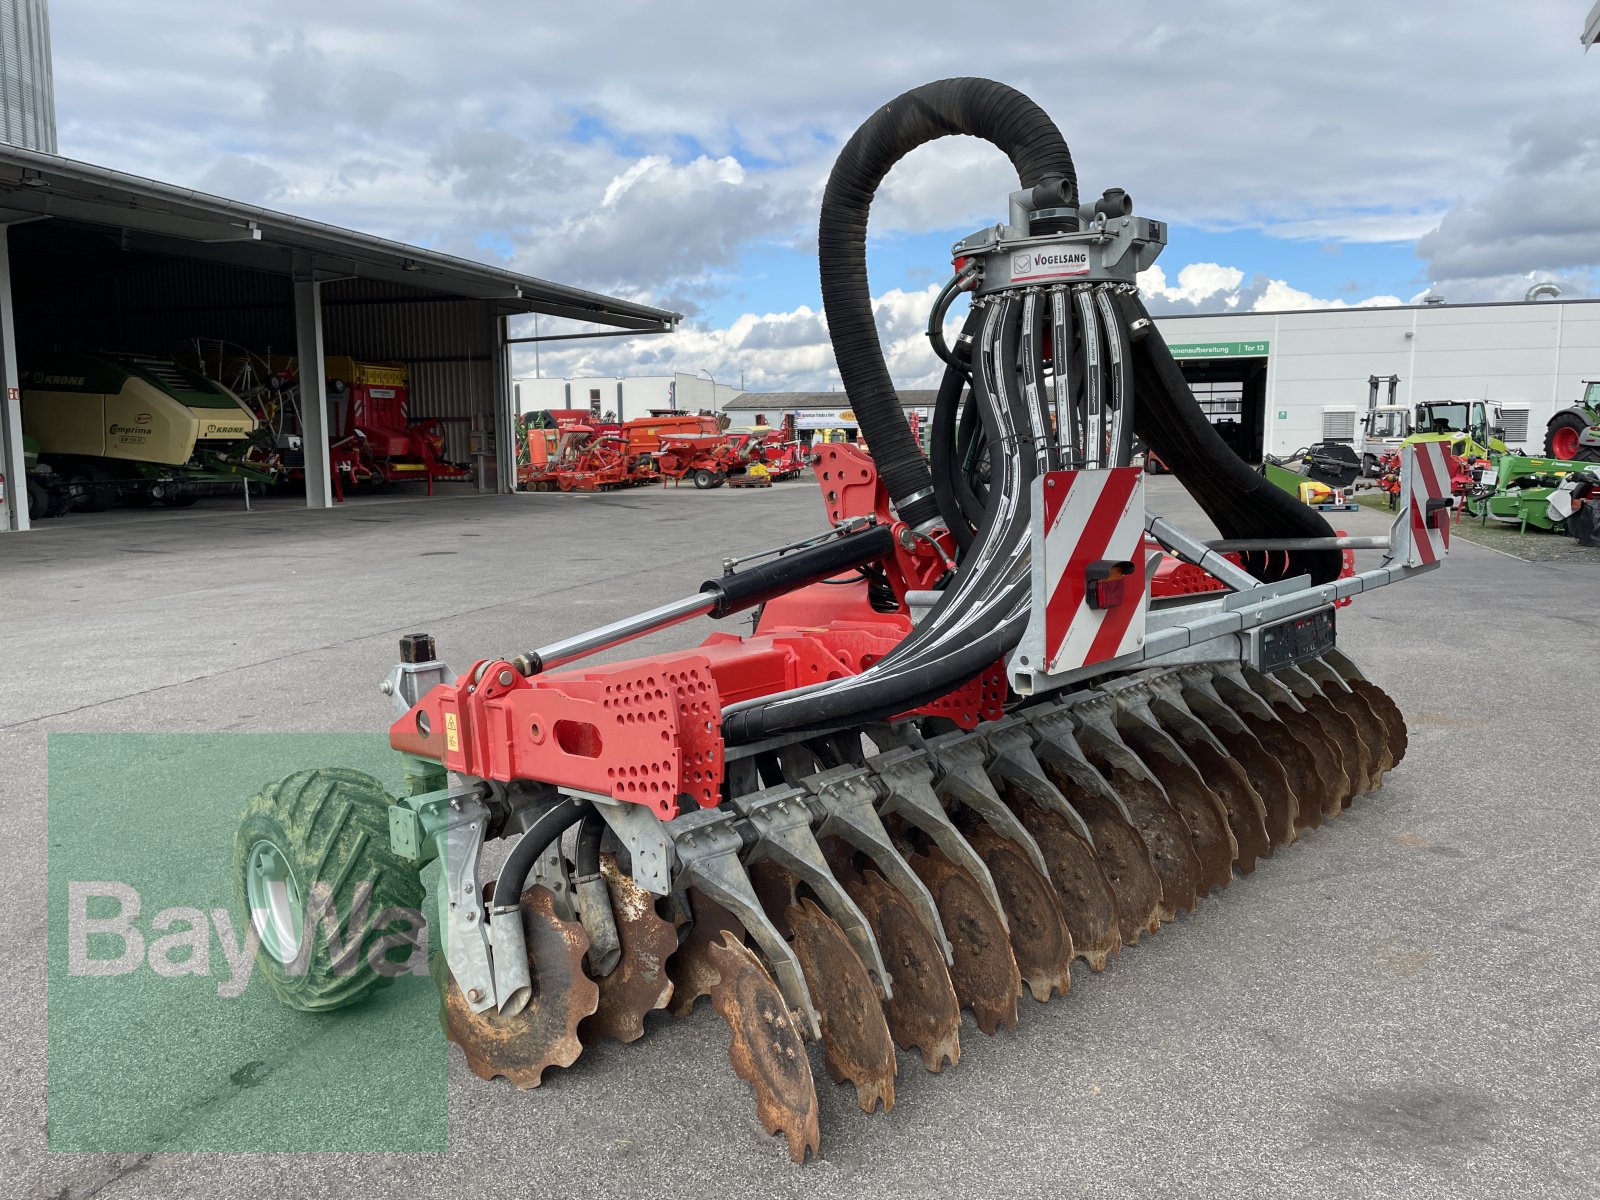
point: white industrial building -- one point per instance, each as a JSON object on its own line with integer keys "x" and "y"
{"x": 1276, "y": 382}
{"x": 625, "y": 396}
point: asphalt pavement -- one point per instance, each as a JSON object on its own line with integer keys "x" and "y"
{"x": 1404, "y": 1003}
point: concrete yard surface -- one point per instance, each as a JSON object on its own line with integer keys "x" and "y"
{"x": 1404, "y": 1003}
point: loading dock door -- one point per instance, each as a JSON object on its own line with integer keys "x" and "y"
{"x": 1233, "y": 394}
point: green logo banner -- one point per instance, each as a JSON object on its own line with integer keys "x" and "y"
{"x": 163, "y": 1034}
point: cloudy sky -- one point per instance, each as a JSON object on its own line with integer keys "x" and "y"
{"x": 1305, "y": 154}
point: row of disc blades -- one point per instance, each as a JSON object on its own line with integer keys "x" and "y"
{"x": 1163, "y": 829}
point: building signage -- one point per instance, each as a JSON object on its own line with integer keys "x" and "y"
{"x": 824, "y": 418}
{"x": 1220, "y": 350}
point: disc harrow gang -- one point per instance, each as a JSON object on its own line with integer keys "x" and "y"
{"x": 970, "y": 866}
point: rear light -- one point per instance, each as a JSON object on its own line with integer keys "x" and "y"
{"x": 1105, "y": 583}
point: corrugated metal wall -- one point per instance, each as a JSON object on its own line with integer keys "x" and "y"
{"x": 448, "y": 344}
{"x": 27, "y": 88}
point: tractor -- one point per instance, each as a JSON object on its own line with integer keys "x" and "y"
{"x": 1574, "y": 432}
{"x": 993, "y": 724}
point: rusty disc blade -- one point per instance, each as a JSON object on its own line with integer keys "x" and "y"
{"x": 1202, "y": 813}
{"x": 545, "y": 1033}
{"x": 1247, "y": 814}
{"x": 1165, "y": 836}
{"x": 1083, "y": 890}
{"x": 690, "y": 968}
{"x": 775, "y": 888}
{"x": 924, "y": 1014}
{"x": 1327, "y": 756}
{"x": 1339, "y": 728}
{"x": 1388, "y": 711}
{"x": 638, "y": 984}
{"x": 1373, "y": 731}
{"x": 1266, "y": 774}
{"x": 1311, "y": 788}
{"x": 984, "y": 971}
{"x": 855, "y": 1036}
{"x": 766, "y": 1049}
{"x": 1119, "y": 851}
{"x": 1040, "y": 940}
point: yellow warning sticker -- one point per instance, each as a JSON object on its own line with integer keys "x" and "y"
{"x": 452, "y": 735}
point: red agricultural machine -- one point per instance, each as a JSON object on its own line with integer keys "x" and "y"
{"x": 776, "y": 450}
{"x": 373, "y": 438}
{"x": 978, "y": 734}
{"x": 583, "y": 456}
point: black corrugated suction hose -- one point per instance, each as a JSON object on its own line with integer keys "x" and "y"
{"x": 975, "y": 107}
{"x": 1239, "y": 501}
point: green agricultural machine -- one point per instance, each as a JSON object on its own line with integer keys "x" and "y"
{"x": 1574, "y": 432}
{"x": 141, "y": 429}
{"x": 1518, "y": 491}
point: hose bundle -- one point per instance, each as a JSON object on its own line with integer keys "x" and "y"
{"x": 1041, "y": 378}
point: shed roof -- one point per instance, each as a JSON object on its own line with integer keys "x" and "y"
{"x": 164, "y": 218}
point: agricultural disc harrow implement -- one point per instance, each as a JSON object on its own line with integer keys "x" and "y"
{"x": 993, "y": 722}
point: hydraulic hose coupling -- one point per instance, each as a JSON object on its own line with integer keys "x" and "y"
{"x": 1045, "y": 243}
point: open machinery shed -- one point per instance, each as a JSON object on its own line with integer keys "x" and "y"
{"x": 94, "y": 259}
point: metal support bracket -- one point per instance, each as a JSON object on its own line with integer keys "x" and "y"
{"x": 1013, "y": 761}
{"x": 964, "y": 760}
{"x": 647, "y": 839}
{"x": 907, "y": 775}
{"x": 707, "y": 849}
{"x": 781, "y": 821}
{"x": 467, "y": 941}
{"x": 844, "y": 799}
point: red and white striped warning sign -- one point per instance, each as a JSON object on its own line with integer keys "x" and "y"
{"x": 1092, "y": 566}
{"x": 1424, "y": 484}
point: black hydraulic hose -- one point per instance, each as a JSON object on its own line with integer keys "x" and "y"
{"x": 957, "y": 505}
{"x": 942, "y": 453}
{"x": 586, "y": 858}
{"x": 976, "y": 107}
{"x": 776, "y": 577}
{"x": 975, "y": 622}
{"x": 1240, "y": 503}
{"x": 546, "y": 828}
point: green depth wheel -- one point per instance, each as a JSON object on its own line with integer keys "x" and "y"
{"x": 317, "y": 844}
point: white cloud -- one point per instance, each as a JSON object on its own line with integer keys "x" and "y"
{"x": 705, "y": 133}
{"x": 1197, "y": 282}
{"x": 1212, "y": 287}
{"x": 780, "y": 351}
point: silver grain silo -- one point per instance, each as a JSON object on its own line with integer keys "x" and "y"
{"x": 27, "y": 94}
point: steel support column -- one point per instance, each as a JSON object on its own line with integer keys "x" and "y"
{"x": 12, "y": 465}
{"x": 505, "y": 436}
{"x": 313, "y": 389}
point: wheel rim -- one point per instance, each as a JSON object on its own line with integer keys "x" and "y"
{"x": 1564, "y": 442}
{"x": 277, "y": 905}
